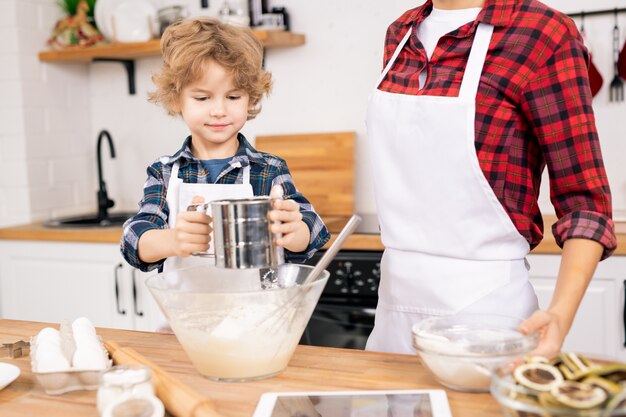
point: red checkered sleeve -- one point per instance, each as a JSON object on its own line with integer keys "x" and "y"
{"x": 557, "y": 104}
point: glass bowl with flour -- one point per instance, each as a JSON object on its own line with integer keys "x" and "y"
{"x": 231, "y": 323}
{"x": 463, "y": 350}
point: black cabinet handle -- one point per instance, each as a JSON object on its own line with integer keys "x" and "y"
{"x": 137, "y": 312}
{"x": 624, "y": 314}
{"x": 117, "y": 290}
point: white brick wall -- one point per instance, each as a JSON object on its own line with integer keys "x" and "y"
{"x": 46, "y": 145}
{"x": 13, "y": 188}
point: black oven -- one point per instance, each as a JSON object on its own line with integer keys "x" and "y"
{"x": 344, "y": 315}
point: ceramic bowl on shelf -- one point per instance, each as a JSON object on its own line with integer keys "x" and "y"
{"x": 463, "y": 350}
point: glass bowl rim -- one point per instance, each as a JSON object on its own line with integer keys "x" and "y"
{"x": 149, "y": 282}
{"x": 524, "y": 343}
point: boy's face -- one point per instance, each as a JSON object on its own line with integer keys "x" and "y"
{"x": 214, "y": 110}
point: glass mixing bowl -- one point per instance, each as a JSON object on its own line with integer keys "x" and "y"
{"x": 463, "y": 350}
{"x": 231, "y": 328}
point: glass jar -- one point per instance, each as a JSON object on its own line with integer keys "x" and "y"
{"x": 123, "y": 381}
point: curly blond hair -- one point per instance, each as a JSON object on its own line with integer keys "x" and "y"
{"x": 187, "y": 46}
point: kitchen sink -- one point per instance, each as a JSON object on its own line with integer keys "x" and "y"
{"x": 92, "y": 220}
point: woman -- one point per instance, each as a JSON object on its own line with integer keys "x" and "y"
{"x": 476, "y": 98}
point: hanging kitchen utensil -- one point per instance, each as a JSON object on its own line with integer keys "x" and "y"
{"x": 621, "y": 62}
{"x": 617, "y": 85}
{"x": 595, "y": 78}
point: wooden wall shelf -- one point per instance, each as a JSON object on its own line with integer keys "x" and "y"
{"x": 126, "y": 51}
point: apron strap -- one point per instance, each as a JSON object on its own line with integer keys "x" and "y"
{"x": 174, "y": 172}
{"x": 395, "y": 55}
{"x": 171, "y": 196}
{"x": 246, "y": 175}
{"x": 476, "y": 62}
{"x": 473, "y": 68}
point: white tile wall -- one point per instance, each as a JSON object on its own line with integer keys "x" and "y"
{"x": 46, "y": 154}
{"x": 8, "y": 34}
{"x": 64, "y": 170}
{"x": 12, "y": 120}
{"x": 51, "y": 197}
{"x": 41, "y": 169}
{"x": 11, "y": 146}
{"x": 17, "y": 205}
{"x": 9, "y": 68}
{"x": 9, "y": 14}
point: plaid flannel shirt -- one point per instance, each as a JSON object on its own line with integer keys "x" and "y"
{"x": 533, "y": 109}
{"x": 266, "y": 170}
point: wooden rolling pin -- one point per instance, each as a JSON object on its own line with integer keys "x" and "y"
{"x": 178, "y": 398}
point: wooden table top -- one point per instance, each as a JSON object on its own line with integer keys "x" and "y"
{"x": 311, "y": 368}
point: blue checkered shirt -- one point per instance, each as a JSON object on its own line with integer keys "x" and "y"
{"x": 266, "y": 170}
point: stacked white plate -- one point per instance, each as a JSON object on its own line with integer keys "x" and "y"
{"x": 126, "y": 20}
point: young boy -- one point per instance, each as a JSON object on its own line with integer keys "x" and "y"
{"x": 212, "y": 77}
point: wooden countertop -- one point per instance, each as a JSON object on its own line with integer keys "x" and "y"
{"x": 311, "y": 368}
{"x": 38, "y": 232}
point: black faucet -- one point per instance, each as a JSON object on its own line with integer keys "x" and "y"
{"x": 104, "y": 202}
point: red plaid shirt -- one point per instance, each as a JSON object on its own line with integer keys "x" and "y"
{"x": 533, "y": 109}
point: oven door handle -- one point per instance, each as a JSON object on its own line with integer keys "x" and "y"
{"x": 321, "y": 317}
{"x": 363, "y": 311}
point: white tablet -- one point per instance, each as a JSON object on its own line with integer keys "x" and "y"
{"x": 398, "y": 403}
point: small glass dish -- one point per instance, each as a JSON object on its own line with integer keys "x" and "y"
{"x": 123, "y": 381}
{"x": 463, "y": 350}
{"x": 519, "y": 401}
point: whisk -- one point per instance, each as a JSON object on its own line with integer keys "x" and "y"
{"x": 289, "y": 306}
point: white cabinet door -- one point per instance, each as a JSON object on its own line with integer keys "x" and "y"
{"x": 146, "y": 312}
{"x": 55, "y": 281}
{"x": 50, "y": 281}
{"x": 598, "y": 328}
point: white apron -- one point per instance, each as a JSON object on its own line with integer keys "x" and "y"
{"x": 179, "y": 196}
{"x": 450, "y": 246}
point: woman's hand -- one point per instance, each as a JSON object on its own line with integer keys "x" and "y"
{"x": 551, "y": 332}
{"x": 578, "y": 263}
{"x": 294, "y": 233}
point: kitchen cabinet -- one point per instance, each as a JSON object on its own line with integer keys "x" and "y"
{"x": 598, "y": 328}
{"x": 55, "y": 281}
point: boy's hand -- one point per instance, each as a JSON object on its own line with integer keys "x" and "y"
{"x": 295, "y": 234}
{"x": 192, "y": 232}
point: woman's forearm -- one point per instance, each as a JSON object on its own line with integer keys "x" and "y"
{"x": 578, "y": 264}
